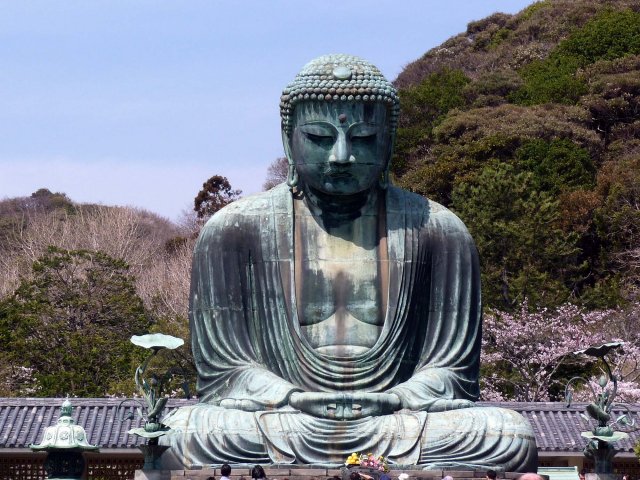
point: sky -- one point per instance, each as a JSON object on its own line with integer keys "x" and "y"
{"x": 138, "y": 102}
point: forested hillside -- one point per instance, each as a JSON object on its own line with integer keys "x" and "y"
{"x": 527, "y": 126}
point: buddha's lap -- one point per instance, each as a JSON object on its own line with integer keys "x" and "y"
{"x": 468, "y": 426}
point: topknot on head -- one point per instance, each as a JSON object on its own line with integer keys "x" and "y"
{"x": 333, "y": 78}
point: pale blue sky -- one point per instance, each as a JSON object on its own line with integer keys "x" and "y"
{"x": 138, "y": 102}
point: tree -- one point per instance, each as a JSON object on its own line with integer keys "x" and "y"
{"x": 215, "y": 194}
{"x": 423, "y": 107}
{"x": 276, "y": 173}
{"x": 526, "y": 354}
{"x": 523, "y": 352}
{"x": 618, "y": 217}
{"x": 523, "y": 253}
{"x": 69, "y": 325}
{"x": 134, "y": 235}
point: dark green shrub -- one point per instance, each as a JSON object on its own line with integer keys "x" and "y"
{"x": 423, "y": 107}
{"x": 558, "y": 165}
{"x": 609, "y": 35}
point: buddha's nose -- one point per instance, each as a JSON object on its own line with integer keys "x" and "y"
{"x": 341, "y": 152}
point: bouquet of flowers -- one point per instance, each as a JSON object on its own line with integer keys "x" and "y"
{"x": 367, "y": 461}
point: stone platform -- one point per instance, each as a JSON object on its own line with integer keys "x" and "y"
{"x": 304, "y": 473}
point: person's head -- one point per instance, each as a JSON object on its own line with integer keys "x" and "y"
{"x": 211, "y": 478}
{"x": 257, "y": 472}
{"x": 530, "y": 476}
{"x": 225, "y": 470}
{"x": 339, "y": 117}
{"x": 583, "y": 474}
{"x": 354, "y": 476}
{"x": 491, "y": 474}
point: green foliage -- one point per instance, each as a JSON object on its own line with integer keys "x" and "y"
{"x": 423, "y": 107}
{"x": 618, "y": 217}
{"x": 71, "y": 322}
{"x": 614, "y": 93}
{"x": 499, "y": 83}
{"x": 558, "y": 165}
{"x": 523, "y": 253}
{"x": 609, "y": 35}
{"x": 46, "y": 200}
{"x": 552, "y": 80}
{"x": 499, "y": 37}
{"x": 531, "y": 10}
{"x": 466, "y": 140}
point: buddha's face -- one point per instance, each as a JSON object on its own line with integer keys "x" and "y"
{"x": 340, "y": 148}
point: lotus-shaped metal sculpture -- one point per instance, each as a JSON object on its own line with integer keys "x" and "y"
{"x": 152, "y": 391}
{"x": 157, "y": 341}
{"x": 601, "y": 438}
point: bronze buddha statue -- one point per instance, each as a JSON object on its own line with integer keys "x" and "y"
{"x": 337, "y": 313}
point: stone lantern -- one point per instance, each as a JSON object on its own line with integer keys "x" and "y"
{"x": 64, "y": 444}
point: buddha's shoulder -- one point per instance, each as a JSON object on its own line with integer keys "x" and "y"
{"x": 249, "y": 210}
{"x": 432, "y": 215}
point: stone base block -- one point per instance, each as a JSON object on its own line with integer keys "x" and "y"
{"x": 290, "y": 472}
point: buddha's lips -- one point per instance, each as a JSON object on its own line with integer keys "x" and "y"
{"x": 338, "y": 173}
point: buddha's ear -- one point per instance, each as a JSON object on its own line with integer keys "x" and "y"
{"x": 390, "y": 146}
{"x": 286, "y": 143}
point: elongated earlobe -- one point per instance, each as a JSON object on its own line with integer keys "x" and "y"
{"x": 292, "y": 176}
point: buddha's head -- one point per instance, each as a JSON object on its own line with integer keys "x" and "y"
{"x": 339, "y": 117}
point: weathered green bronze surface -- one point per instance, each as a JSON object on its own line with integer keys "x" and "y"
{"x": 152, "y": 390}
{"x": 64, "y": 443}
{"x": 336, "y": 313}
{"x": 601, "y": 438}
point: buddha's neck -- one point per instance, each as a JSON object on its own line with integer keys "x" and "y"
{"x": 339, "y": 209}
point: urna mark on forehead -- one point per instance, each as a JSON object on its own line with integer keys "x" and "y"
{"x": 338, "y": 79}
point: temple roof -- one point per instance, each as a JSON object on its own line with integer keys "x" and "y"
{"x": 23, "y": 421}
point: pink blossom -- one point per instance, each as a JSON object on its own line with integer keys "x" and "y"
{"x": 522, "y": 351}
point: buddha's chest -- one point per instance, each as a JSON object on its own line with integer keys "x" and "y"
{"x": 339, "y": 285}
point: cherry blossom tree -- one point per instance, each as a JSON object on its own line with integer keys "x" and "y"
{"x": 523, "y": 351}
{"x": 526, "y": 354}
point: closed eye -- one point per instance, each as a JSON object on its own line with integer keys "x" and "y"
{"x": 363, "y": 136}
{"x": 363, "y": 131}
{"x": 319, "y": 133}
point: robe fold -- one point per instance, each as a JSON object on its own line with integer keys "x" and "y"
{"x": 248, "y": 345}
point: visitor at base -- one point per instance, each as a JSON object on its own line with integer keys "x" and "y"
{"x": 225, "y": 471}
{"x": 257, "y": 473}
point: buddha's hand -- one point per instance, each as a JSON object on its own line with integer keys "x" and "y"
{"x": 244, "y": 404}
{"x": 345, "y": 406}
{"x": 438, "y": 404}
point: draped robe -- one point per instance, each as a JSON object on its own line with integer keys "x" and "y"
{"x": 247, "y": 344}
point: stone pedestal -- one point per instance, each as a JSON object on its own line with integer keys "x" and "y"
{"x": 152, "y": 475}
{"x": 303, "y": 472}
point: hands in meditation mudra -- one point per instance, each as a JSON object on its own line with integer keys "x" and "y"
{"x": 337, "y": 313}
